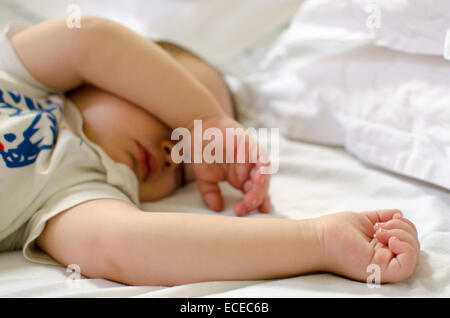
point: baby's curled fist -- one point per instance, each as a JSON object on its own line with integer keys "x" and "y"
{"x": 250, "y": 176}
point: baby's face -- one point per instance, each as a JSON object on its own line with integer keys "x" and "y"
{"x": 132, "y": 136}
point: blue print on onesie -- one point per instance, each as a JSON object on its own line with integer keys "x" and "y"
{"x": 21, "y": 147}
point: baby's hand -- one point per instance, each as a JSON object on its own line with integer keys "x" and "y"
{"x": 247, "y": 176}
{"x": 353, "y": 241}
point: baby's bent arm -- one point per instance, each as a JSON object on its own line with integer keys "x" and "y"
{"x": 121, "y": 243}
{"x": 110, "y": 56}
{"x": 113, "y": 57}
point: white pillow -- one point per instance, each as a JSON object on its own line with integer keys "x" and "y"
{"x": 412, "y": 26}
{"x": 215, "y": 29}
{"x": 386, "y": 107}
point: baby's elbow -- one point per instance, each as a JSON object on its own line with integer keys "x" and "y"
{"x": 89, "y": 23}
{"x": 90, "y": 28}
{"x": 95, "y": 35}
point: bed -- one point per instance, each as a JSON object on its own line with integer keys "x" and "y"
{"x": 324, "y": 166}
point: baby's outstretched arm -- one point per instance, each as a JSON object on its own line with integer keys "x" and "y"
{"x": 121, "y": 243}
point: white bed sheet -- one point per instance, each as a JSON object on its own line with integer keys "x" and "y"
{"x": 312, "y": 180}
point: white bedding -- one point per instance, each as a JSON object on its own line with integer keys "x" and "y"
{"x": 312, "y": 180}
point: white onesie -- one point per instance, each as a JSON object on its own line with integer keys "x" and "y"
{"x": 47, "y": 164}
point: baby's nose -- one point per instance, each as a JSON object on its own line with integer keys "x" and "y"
{"x": 166, "y": 150}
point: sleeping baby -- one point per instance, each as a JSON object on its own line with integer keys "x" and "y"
{"x": 87, "y": 116}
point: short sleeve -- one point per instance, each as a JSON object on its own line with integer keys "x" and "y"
{"x": 12, "y": 69}
{"x": 59, "y": 202}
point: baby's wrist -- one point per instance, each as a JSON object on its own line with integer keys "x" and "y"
{"x": 311, "y": 243}
{"x": 323, "y": 262}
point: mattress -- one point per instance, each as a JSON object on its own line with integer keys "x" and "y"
{"x": 313, "y": 179}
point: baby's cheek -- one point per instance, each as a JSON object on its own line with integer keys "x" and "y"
{"x": 119, "y": 156}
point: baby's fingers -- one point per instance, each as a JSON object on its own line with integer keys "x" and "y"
{"x": 405, "y": 254}
{"x": 382, "y": 215}
{"x": 265, "y": 205}
{"x": 255, "y": 193}
{"x": 242, "y": 172}
{"x": 397, "y": 223}
{"x": 384, "y": 236}
{"x": 405, "y": 261}
{"x": 252, "y": 200}
{"x": 211, "y": 195}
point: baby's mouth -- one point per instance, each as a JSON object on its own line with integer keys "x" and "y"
{"x": 147, "y": 163}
